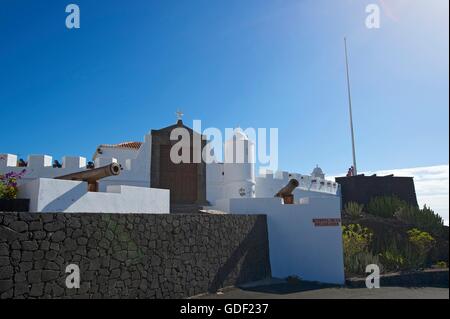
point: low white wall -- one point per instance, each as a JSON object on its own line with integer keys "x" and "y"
{"x": 50, "y": 195}
{"x": 268, "y": 185}
{"x": 297, "y": 246}
{"x": 136, "y": 170}
{"x": 40, "y": 166}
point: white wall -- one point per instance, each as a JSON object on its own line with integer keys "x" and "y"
{"x": 268, "y": 184}
{"x": 297, "y": 246}
{"x": 239, "y": 167}
{"x": 234, "y": 179}
{"x": 263, "y": 186}
{"x": 51, "y": 195}
{"x": 214, "y": 181}
{"x": 121, "y": 154}
{"x": 41, "y": 166}
{"x": 136, "y": 170}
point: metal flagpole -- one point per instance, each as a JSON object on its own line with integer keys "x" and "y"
{"x": 350, "y": 109}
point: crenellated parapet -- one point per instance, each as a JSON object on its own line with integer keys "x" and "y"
{"x": 275, "y": 180}
{"x": 10, "y": 161}
{"x": 41, "y": 166}
{"x": 134, "y": 171}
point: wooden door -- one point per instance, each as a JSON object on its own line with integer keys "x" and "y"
{"x": 181, "y": 178}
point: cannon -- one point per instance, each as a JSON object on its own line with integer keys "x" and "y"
{"x": 92, "y": 176}
{"x": 286, "y": 192}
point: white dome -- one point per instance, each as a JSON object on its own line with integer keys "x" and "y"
{"x": 317, "y": 172}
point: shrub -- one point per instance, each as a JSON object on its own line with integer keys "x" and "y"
{"x": 356, "y": 264}
{"x": 412, "y": 254}
{"x": 356, "y": 241}
{"x": 420, "y": 245}
{"x": 384, "y": 206}
{"x": 353, "y": 210}
{"x": 425, "y": 219}
{"x": 8, "y": 184}
{"x": 393, "y": 260}
{"x": 440, "y": 265}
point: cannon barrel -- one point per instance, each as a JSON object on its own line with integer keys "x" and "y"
{"x": 288, "y": 189}
{"x": 92, "y": 176}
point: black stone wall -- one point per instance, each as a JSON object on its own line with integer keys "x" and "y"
{"x": 361, "y": 189}
{"x": 129, "y": 256}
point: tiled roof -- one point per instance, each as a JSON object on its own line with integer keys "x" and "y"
{"x": 126, "y": 145}
{"x": 131, "y": 145}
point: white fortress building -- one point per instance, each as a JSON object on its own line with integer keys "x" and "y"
{"x": 305, "y": 237}
{"x": 223, "y": 180}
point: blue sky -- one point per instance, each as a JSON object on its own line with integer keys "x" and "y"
{"x": 254, "y": 63}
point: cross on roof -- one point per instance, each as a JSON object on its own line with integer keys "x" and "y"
{"x": 179, "y": 115}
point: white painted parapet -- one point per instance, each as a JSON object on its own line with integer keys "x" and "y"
{"x": 41, "y": 166}
{"x": 225, "y": 181}
{"x": 51, "y": 195}
{"x": 73, "y": 162}
{"x": 103, "y": 161}
{"x": 268, "y": 184}
{"x": 7, "y": 160}
{"x": 38, "y": 161}
{"x": 135, "y": 171}
{"x": 305, "y": 239}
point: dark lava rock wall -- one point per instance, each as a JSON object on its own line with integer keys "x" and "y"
{"x": 129, "y": 256}
{"x": 361, "y": 189}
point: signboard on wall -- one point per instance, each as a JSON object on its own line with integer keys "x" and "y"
{"x": 326, "y": 222}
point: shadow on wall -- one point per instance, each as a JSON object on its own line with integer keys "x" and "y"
{"x": 249, "y": 256}
{"x": 63, "y": 202}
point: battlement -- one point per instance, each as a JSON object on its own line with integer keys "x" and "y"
{"x": 133, "y": 171}
{"x": 10, "y": 161}
{"x": 103, "y": 161}
{"x": 306, "y": 182}
{"x": 40, "y": 161}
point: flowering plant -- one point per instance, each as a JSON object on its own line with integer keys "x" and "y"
{"x": 8, "y": 184}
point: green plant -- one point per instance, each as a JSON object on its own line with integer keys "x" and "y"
{"x": 393, "y": 260}
{"x": 2, "y": 190}
{"x": 356, "y": 241}
{"x": 384, "y": 206}
{"x": 412, "y": 254}
{"x": 440, "y": 265}
{"x": 420, "y": 245}
{"x": 353, "y": 210}
{"x": 356, "y": 264}
{"x": 8, "y": 184}
{"x": 425, "y": 219}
